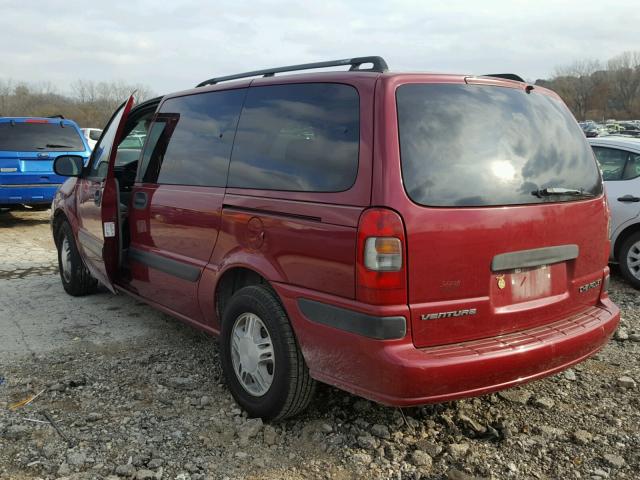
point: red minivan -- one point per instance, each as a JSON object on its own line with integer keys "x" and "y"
{"x": 410, "y": 238}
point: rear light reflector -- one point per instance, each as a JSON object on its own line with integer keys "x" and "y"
{"x": 381, "y": 277}
{"x": 383, "y": 254}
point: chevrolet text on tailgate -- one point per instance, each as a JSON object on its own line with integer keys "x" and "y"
{"x": 410, "y": 238}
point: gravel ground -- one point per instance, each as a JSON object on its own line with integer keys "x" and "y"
{"x": 136, "y": 394}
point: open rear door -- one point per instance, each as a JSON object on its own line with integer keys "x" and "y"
{"x": 98, "y": 203}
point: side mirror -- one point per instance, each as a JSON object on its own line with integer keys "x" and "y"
{"x": 68, "y": 165}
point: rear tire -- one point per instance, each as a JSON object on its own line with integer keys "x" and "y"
{"x": 261, "y": 360}
{"x": 76, "y": 279}
{"x": 629, "y": 259}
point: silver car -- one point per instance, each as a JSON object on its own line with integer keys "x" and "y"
{"x": 619, "y": 159}
{"x": 92, "y": 135}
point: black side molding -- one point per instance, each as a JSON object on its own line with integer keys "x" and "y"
{"x": 166, "y": 265}
{"x": 534, "y": 257}
{"x": 380, "y": 328}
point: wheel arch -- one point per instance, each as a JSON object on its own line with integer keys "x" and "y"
{"x": 232, "y": 279}
{"x": 57, "y": 219}
{"x": 622, "y": 237}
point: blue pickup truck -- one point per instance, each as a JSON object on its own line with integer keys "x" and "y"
{"x": 28, "y": 146}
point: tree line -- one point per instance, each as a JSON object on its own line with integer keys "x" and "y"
{"x": 90, "y": 104}
{"x": 599, "y": 91}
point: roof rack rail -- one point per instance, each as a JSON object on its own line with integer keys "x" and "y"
{"x": 506, "y": 76}
{"x": 56, "y": 116}
{"x": 378, "y": 65}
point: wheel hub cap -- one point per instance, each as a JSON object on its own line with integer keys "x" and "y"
{"x": 633, "y": 260}
{"x": 252, "y": 354}
{"x": 65, "y": 259}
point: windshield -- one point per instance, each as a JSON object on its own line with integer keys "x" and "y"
{"x": 36, "y": 137}
{"x": 472, "y": 145}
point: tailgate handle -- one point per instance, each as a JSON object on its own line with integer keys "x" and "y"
{"x": 534, "y": 257}
{"x": 629, "y": 198}
{"x": 140, "y": 200}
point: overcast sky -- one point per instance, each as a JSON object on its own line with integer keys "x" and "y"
{"x": 174, "y": 44}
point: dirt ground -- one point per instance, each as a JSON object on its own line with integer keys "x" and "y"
{"x": 128, "y": 392}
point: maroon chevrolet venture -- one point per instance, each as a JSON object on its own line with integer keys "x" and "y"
{"x": 408, "y": 237}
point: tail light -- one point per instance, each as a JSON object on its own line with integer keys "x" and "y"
{"x": 605, "y": 282}
{"x": 381, "y": 263}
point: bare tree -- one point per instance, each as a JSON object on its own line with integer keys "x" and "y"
{"x": 577, "y": 84}
{"x": 90, "y": 103}
{"x": 624, "y": 72}
{"x": 599, "y": 103}
{"x": 84, "y": 91}
{"x": 6, "y": 89}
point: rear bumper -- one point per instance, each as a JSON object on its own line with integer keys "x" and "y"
{"x": 395, "y": 372}
{"x": 27, "y": 194}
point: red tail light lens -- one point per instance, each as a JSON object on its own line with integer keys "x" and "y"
{"x": 381, "y": 262}
{"x": 605, "y": 283}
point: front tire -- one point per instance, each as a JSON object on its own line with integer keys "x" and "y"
{"x": 76, "y": 279}
{"x": 261, "y": 360}
{"x": 629, "y": 259}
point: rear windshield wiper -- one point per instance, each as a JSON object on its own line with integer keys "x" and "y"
{"x": 549, "y": 191}
{"x": 55, "y": 145}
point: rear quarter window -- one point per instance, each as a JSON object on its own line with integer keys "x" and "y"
{"x": 632, "y": 168}
{"x": 473, "y": 145}
{"x": 297, "y": 137}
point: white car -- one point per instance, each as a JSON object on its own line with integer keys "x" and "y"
{"x": 619, "y": 159}
{"x": 92, "y": 135}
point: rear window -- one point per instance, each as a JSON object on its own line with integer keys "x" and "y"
{"x": 36, "y": 137}
{"x": 472, "y": 145}
{"x": 300, "y": 137}
{"x": 95, "y": 134}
